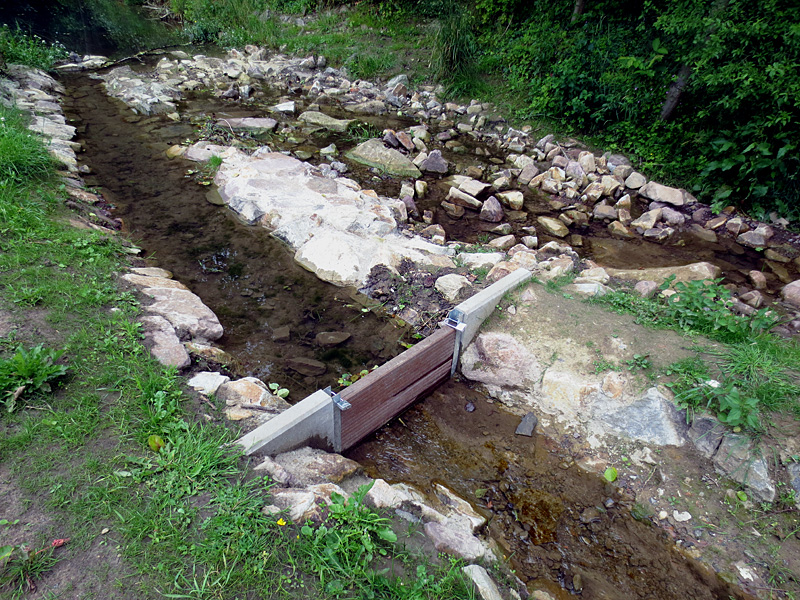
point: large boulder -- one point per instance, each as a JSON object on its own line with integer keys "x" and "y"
{"x": 313, "y": 117}
{"x": 662, "y": 193}
{"x": 692, "y": 272}
{"x": 374, "y": 154}
{"x": 336, "y": 230}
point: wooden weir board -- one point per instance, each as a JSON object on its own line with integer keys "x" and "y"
{"x": 387, "y": 391}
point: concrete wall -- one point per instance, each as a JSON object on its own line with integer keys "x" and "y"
{"x": 475, "y": 310}
{"x": 309, "y": 422}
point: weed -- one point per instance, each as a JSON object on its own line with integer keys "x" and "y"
{"x": 22, "y": 154}
{"x": 28, "y": 372}
{"x": 358, "y": 132}
{"x": 20, "y": 566}
{"x": 639, "y": 361}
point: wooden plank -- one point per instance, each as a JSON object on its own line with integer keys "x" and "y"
{"x": 359, "y": 422}
{"x": 403, "y": 370}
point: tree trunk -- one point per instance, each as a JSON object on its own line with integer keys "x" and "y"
{"x": 577, "y": 11}
{"x": 674, "y": 93}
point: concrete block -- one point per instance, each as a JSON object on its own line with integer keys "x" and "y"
{"x": 474, "y": 311}
{"x": 310, "y": 422}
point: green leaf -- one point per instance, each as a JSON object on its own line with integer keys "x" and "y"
{"x": 5, "y": 553}
{"x": 610, "y": 474}
{"x": 387, "y": 535}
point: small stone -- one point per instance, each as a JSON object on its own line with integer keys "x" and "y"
{"x": 527, "y": 425}
{"x": 681, "y": 517}
{"x": 328, "y": 339}
{"x": 435, "y": 163}
{"x": 450, "y": 286}
{"x": 453, "y": 211}
{"x": 281, "y": 334}
{"x": 553, "y": 226}
{"x": 503, "y": 243}
{"x": 619, "y": 230}
{"x": 491, "y": 210}
{"x": 646, "y": 289}
{"x": 306, "y": 366}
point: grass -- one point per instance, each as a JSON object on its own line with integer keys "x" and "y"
{"x": 756, "y": 371}
{"x": 186, "y": 513}
{"x": 17, "y": 47}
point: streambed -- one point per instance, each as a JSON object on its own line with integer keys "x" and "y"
{"x": 562, "y": 529}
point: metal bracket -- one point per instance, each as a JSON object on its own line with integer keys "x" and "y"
{"x": 340, "y": 402}
{"x": 454, "y": 320}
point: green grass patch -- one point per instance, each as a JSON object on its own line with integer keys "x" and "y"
{"x": 18, "y": 47}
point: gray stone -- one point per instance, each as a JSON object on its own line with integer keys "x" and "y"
{"x": 309, "y": 466}
{"x": 652, "y": 419}
{"x": 528, "y": 425}
{"x": 791, "y": 293}
{"x": 306, "y": 366}
{"x": 370, "y": 107}
{"x": 692, "y": 272}
{"x": 528, "y": 173}
{"x": 328, "y": 339}
{"x": 164, "y": 344}
{"x": 435, "y": 163}
{"x": 706, "y": 432}
{"x": 741, "y": 461}
{"x": 474, "y": 188}
{"x": 553, "y": 226}
{"x": 757, "y": 238}
{"x": 503, "y": 243}
{"x": 374, "y": 154}
{"x": 513, "y": 199}
{"x": 604, "y": 211}
{"x": 207, "y": 382}
{"x": 662, "y": 193}
{"x": 646, "y": 289}
{"x": 459, "y": 198}
{"x": 450, "y": 286}
{"x": 491, "y": 210}
{"x": 187, "y": 313}
{"x": 672, "y": 217}
{"x": 794, "y": 480}
{"x": 483, "y": 583}
{"x": 480, "y": 260}
{"x": 322, "y": 120}
{"x": 254, "y": 124}
{"x": 648, "y": 220}
{"x": 499, "y": 359}
{"x": 456, "y": 542}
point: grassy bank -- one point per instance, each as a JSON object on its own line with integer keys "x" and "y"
{"x": 101, "y": 446}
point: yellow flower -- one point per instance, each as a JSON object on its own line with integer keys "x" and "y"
{"x": 281, "y": 522}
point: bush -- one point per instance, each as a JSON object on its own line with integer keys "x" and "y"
{"x": 17, "y": 47}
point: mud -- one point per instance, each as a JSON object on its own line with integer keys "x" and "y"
{"x": 561, "y": 529}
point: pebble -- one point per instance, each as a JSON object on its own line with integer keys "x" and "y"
{"x": 681, "y": 517}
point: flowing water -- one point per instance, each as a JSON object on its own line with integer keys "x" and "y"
{"x": 559, "y": 527}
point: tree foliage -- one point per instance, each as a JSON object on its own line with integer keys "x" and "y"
{"x": 610, "y": 68}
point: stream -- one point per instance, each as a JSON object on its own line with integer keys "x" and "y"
{"x": 561, "y": 529}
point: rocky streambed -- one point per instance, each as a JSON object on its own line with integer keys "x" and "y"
{"x": 447, "y": 198}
